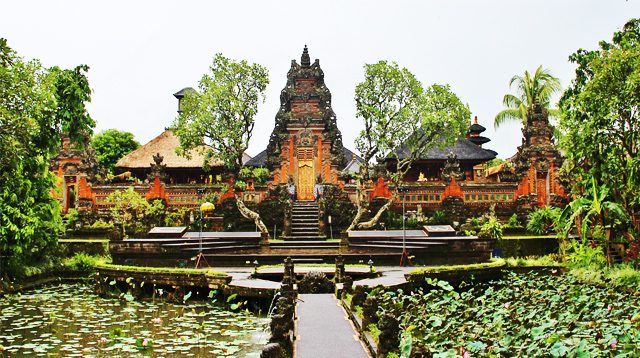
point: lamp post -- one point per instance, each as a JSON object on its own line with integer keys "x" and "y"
{"x": 204, "y": 208}
{"x": 330, "y": 228}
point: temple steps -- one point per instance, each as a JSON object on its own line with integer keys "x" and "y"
{"x": 304, "y": 223}
{"x": 305, "y": 244}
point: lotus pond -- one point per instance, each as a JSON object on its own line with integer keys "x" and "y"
{"x": 523, "y": 314}
{"x": 69, "y": 320}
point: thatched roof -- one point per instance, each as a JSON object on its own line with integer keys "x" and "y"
{"x": 165, "y": 144}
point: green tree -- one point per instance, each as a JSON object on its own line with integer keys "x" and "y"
{"x": 598, "y": 216}
{"x": 134, "y": 214}
{"x": 31, "y": 126}
{"x": 529, "y": 89}
{"x": 111, "y": 145}
{"x": 72, "y": 92}
{"x": 220, "y": 116}
{"x": 600, "y": 120}
{"x": 398, "y": 113}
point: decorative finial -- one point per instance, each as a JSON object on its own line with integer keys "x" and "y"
{"x": 475, "y": 120}
{"x": 305, "y": 61}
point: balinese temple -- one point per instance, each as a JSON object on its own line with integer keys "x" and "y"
{"x": 306, "y": 144}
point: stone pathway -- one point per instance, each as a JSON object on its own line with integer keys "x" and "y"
{"x": 390, "y": 276}
{"x": 324, "y": 331}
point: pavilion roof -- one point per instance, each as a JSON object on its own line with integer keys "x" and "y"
{"x": 165, "y": 144}
{"x": 463, "y": 148}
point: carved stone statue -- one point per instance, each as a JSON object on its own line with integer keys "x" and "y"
{"x": 157, "y": 168}
{"x": 452, "y": 168}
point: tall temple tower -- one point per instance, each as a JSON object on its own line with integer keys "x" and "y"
{"x": 538, "y": 161}
{"x": 305, "y": 143}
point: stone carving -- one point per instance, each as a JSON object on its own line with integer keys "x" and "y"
{"x": 369, "y": 309}
{"x": 305, "y": 137}
{"x": 452, "y": 168}
{"x": 315, "y": 282}
{"x": 389, "y": 334}
{"x": 157, "y": 168}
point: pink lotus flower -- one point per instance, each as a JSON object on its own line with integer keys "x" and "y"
{"x": 145, "y": 342}
{"x": 466, "y": 355}
{"x": 156, "y": 320}
{"x": 102, "y": 340}
{"x": 613, "y": 345}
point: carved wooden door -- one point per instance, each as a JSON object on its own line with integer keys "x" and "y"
{"x": 306, "y": 175}
{"x": 542, "y": 188}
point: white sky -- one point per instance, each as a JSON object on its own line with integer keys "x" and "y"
{"x": 141, "y": 52}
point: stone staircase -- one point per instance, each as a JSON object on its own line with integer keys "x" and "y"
{"x": 304, "y": 222}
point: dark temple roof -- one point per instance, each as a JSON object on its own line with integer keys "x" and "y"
{"x": 182, "y": 92}
{"x": 463, "y": 149}
{"x": 476, "y": 128}
{"x": 260, "y": 159}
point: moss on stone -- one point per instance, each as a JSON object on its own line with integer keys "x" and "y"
{"x": 168, "y": 270}
{"x": 493, "y": 263}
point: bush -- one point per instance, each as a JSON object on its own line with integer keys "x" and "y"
{"x": 513, "y": 222}
{"x": 101, "y": 225}
{"x": 81, "y": 262}
{"x": 71, "y": 218}
{"x": 491, "y": 229}
{"x": 438, "y": 218}
{"x": 584, "y": 255}
{"x": 543, "y": 220}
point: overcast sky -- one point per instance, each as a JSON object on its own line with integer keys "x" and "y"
{"x": 141, "y": 52}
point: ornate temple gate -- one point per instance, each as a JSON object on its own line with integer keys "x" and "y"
{"x": 69, "y": 198}
{"x": 306, "y": 173}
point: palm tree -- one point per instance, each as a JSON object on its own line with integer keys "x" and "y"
{"x": 530, "y": 90}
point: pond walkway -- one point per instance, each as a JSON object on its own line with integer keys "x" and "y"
{"x": 324, "y": 330}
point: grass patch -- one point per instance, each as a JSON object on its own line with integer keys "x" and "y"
{"x": 84, "y": 240}
{"x": 619, "y": 276}
{"x": 516, "y": 237}
{"x": 552, "y": 260}
{"x": 83, "y": 262}
{"x": 143, "y": 269}
{"x": 493, "y": 263}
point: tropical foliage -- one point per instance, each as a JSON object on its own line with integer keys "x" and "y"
{"x": 544, "y": 220}
{"x": 399, "y": 113}
{"x": 133, "y": 213}
{"x": 111, "y": 145}
{"x": 534, "y": 314}
{"x": 599, "y": 217}
{"x": 37, "y": 106}
{"x": 538, "y": 88}
{"x": 601, "y": 121}
{"x": 220, "y": 116}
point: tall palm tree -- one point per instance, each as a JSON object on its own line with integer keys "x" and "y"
{"x": 530, "y": 90}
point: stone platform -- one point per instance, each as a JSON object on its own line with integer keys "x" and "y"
{"x": 245, "y": 248}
